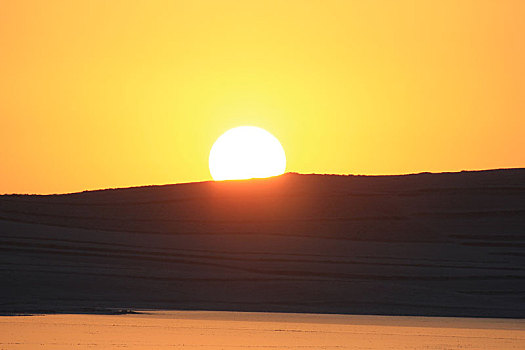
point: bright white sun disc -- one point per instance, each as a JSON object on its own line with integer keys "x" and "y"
{"x": 246, "y": 152}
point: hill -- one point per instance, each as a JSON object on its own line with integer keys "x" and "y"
{"x": 449, "y": 244}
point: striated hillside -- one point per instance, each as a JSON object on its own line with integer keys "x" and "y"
{"x": 448, "y": 244}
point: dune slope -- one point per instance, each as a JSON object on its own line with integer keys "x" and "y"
{"x": 448, "y": 244}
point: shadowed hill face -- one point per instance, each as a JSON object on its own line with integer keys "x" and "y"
{"x": 291, "y": 204}
{"x": 420, "y": 244}
{"x": 317, "y": 204}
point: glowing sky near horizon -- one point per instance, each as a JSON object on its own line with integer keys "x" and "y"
{"x": 97, "y": 94}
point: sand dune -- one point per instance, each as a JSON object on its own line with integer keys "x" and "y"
{"x": 447, "y": 244}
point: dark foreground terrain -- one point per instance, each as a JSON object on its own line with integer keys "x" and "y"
{"x": 448, "y": 244}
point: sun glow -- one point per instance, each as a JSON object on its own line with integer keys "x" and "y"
{"x": 246, "y": 152}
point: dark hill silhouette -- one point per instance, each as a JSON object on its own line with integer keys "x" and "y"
{"x": 450, "y": 244}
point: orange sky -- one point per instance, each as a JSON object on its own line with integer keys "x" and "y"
{"x": 97, "y": 94}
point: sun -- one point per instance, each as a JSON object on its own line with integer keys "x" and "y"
{"x": 246, "y": 152}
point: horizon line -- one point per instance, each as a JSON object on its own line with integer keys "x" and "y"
{"x": 261, "y": 178}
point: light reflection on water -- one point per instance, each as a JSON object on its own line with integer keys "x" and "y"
{"x": 234, "y": 330}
